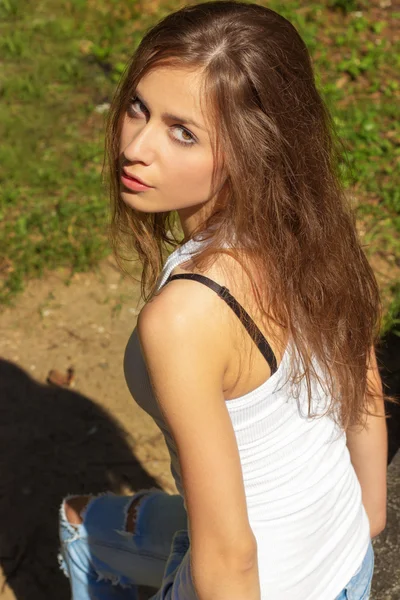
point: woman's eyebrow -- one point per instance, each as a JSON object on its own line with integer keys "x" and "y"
{"x": 169, "y": 116}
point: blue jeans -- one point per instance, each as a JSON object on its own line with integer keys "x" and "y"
{"x": 104, "y": 561}
{"x": 359, "y": 586}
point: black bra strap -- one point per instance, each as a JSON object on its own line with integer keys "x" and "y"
{"x": 245, "y": 318}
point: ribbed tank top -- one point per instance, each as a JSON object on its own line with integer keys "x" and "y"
{"x": 303, "y": 496}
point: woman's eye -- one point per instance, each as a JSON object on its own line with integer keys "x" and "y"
{"x": 136, "y": 106}
{"x": 132, "y": 107}
{"x": 187, "y": 139}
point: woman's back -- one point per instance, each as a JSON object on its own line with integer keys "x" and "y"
{"x": 303, "y": 497}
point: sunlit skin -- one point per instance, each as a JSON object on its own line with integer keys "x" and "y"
{"x": 172, "y": 156}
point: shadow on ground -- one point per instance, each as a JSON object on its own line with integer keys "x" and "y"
{"x": 53, "y": 442}
{"x": 389, "y": 359}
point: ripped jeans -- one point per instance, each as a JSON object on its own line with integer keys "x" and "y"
{"x": 105, "y": 561}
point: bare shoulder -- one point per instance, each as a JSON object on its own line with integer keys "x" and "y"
{"x": 184, "y": 302}
{"x": 184, "y": 308}
{"x": 185, "y": 317}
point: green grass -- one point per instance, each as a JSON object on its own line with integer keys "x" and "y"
{"x": 59, "y": 60}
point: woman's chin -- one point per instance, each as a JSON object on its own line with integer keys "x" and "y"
{"x": 134, "y": 200}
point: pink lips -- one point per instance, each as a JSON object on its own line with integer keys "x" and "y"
{"x": 133, "y": 183}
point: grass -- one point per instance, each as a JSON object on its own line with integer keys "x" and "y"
{"x": 60, "y": 61}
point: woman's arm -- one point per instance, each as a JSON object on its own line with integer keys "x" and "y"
{"x": 186, "y": 349}
{"x": 368, "y": 451}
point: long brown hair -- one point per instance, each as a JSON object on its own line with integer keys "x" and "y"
{"x": 283, "y": 197}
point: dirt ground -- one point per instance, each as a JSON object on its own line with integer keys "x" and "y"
{"x": 90, "y": 436}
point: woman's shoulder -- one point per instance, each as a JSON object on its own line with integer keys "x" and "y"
{"x": 185, "y": 310}
{"x": 184, "y": 319}
{"x": 225, "y": 269}
{"x": 189, "y": 296}
{"x": 189, "y": 309}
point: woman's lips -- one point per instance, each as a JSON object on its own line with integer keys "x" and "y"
{"x": 132, "y": 183}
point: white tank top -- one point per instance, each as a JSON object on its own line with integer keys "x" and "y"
{"x": 303, "y": 496}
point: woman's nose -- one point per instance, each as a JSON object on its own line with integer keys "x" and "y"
{"x": 140, "y": 144}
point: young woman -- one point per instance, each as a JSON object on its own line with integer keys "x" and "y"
{"x": 254, "y": 351}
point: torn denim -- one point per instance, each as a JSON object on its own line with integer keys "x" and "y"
{"x": 103, "y": 560}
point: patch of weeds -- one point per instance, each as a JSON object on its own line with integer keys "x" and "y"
{"x": 48, "y": 305}
{"x": 346, "y": 6}
{"x": 8, "y": 8}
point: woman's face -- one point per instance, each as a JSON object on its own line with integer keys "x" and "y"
{"x": 170, "y": 154}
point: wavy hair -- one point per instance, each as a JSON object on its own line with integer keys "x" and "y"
{"x": 282, "y": 196}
